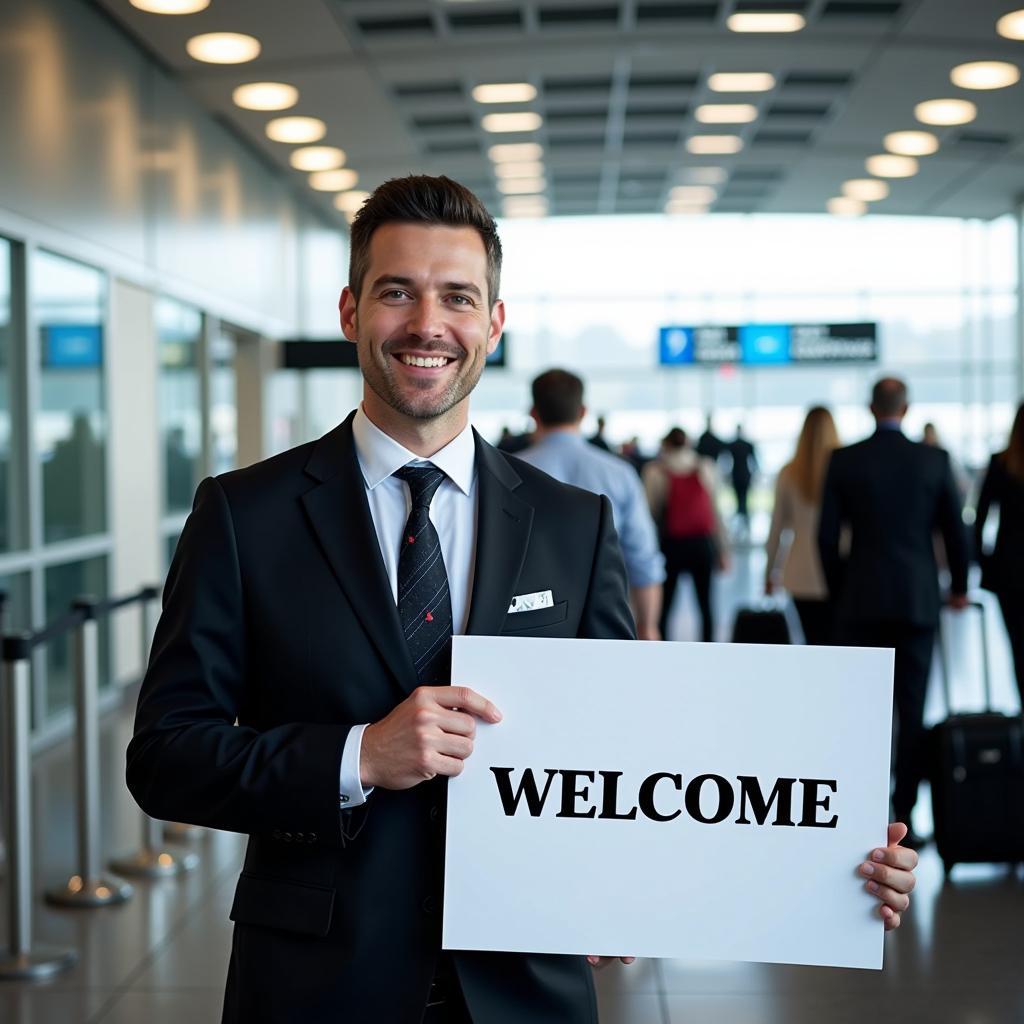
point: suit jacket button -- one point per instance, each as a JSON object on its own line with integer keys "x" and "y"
{"x": 435, "y": 813}
{"x": 430, "y": 906}
{"x": 310, "y": 837}
{"x": 287, "y": 837}
{"x": 276, "y": 834}
{"x": 300, "y": 837}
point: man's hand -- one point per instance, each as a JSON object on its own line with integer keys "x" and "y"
{"x": 890, "y": 874}
{"x": 600, "y": 962}
{"x": 430, "y": 733}
{"x": 958, "y": 602}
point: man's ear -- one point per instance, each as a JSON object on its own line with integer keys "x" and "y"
{"x": 582, "y": 415}
{"x": 347, "y": 309}
{"x": 497, "y": 325}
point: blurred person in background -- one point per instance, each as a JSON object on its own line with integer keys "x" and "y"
{"x": 561, "y": 450}
{"x": 709, "y": 444}
{"x": 681, "y": 487}
{"x": 598, "y": 439}
{"x": 1002, "y": 568}
{"x": 795, "y": 514}
{"x": 744, "y": 466}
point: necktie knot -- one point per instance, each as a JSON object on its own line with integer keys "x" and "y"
{"x": 423, "y": 481}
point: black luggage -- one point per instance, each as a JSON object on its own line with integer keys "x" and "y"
{"x": 760, "y": 626}
{"x": 977, "y": 778}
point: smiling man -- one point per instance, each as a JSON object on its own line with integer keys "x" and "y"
{"x": 298, "y": 690}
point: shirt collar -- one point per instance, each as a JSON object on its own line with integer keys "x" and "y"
{"x": 562, "y": 437}
{"x": 380, "y": 454}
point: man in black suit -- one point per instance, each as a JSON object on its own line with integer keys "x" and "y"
{"x": 297, "y": 690}
{"x": 893, "y": 494}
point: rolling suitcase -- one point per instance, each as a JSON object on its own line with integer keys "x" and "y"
{"x": 760, "y": 626}
{"x": 977, "y": 777}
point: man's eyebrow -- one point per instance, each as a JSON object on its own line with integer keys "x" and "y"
{"x": 462, "y": 286}
{"x": 405, "y": 282}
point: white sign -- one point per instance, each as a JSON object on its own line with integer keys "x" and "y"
{"x": 670, "y": 800}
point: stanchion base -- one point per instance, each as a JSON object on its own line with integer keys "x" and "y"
{"x": 154, "y": 864}
{"x": 42, "y": 962}
{"x": 94, "y": 892}
{"x": 178, "y": 832}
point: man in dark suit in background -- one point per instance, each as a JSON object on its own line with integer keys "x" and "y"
{"x": 893, "y": 494}
{"x": 298, "y": 687}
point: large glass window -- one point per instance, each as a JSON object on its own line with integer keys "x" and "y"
{"x": 71, "y": 422}
{"x": 223, "y": 401}
{"x": 6, "y": 350}
{"x": 17, "y": 612}
{"x": 179, "y": 329}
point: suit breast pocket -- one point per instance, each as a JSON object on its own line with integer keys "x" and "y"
{"x": 520, "y": 622}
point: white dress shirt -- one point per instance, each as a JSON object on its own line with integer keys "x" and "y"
{"x": 453, "y": 511}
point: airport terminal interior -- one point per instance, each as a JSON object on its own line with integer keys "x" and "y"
{"x": 717, "y": 213}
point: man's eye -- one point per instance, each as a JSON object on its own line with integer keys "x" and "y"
{"x": 461, "y": 300}
{"x": 394, "y": 293}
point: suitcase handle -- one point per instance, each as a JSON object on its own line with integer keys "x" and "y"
{"x": 985, "y": 669}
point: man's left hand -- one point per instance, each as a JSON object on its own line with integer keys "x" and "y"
{"x": 599, "y": 962}
{"x": 890, "y": 876}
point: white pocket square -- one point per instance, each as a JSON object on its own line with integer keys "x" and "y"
{"x": 531, "y": 602}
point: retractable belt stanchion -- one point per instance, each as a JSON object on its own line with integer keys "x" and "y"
{"x": 21, "y": 960}
{"x": 153, "y": 860}
{"x": 89, "y": 887}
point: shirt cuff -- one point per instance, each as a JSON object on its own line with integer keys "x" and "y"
{"x": 351, "y": 793}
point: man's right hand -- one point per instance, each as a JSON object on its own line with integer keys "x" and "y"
{"x": 430, "y": 733}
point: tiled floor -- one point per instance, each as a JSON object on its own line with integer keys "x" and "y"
{"x": 959, "y": 959}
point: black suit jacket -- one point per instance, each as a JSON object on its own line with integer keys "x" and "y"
{"x": 1002, "y": 569}
{"x": 893, "y": 494}
{"x": 278, "y": 613}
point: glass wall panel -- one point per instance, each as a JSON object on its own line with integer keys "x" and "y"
{"x": 64, "y": 583}
{"x": 223, "y": 402}
{"x": 17, "y": 612}
{"x": 6, "y": 347}
{"x": 179, "y": 329}
{"x": 71, "y": 422}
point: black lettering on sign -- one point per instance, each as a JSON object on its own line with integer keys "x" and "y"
{"x": 725, "y": 799}
{"x": 572, "y": 791}
{"x": 750, "y": 789}
{"x": 527, "y": 788}
{"x": 647, "y": 796}
{"x": 812, "y": 803}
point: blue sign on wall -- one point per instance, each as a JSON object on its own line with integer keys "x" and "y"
{"x": 72, "y": 346}
{"x": 675, "y": 346}
{"x": 763, "y": 344}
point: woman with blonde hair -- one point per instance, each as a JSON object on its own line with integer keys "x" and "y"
{"x": 795, "y": 519}
{"x": 1002, "y": 569}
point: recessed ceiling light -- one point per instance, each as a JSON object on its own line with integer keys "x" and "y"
{"x": 681, "y": 206}
{"x": 349, "y": 202}
{"x": 520, "y": 169}
{"x": 869, "y": 190}
{"x": 223, "y": 48}
{"x": 846, "y": 206}
{"x": 911, "y": 143}
{"x": 693, "y": 194}
{"x": 317, "y": 158}
{"x": 171, "y": 6}
{"x": 1011, "y": 26}
{"x": 334, "y": 181}
{"x": 985, "y": 74}
{"x": 946, "y": 111}
{"x": 753, "y": 81}
{"x": 705, "y": 175}
{"x": 521, "y": 186}
{"x": 714, "y": 144}
{"x": 265, "y": 96}
{"x": 885, "y": 165}
{"x": 525, "y": 206}
{"x": 515, "y": 151}
{"x": 296, "y": 129}
{"x": 767, "y": 22}
{"x": 524, "y": 121}
{"x": 726, "y": 113}
{"x": 505, "y": 92}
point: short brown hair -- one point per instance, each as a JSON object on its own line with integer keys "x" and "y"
{"x": 557, "y": 398}
{"x": 889, "y": 397}
{"x": 421, "y": 199}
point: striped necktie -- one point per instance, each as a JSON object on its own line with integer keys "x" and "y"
{"x": 424, "y": 603}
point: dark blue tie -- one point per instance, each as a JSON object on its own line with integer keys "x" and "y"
{"x": 424, "y": 603}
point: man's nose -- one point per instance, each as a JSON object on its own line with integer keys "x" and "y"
{"x": 426, "y": 319}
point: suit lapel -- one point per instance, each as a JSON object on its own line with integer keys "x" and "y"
{"x": 503, "y": 532}
{"x": 340, "y": 517}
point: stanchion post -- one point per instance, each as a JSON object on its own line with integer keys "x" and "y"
{"x": 89, "y": 887}
{"x": 153, "y": 860}
{"x": 21, "y": 960}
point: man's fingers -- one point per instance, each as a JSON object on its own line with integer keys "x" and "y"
{"x": 896, "y": 857}
{"x": 896, "y": 832}
{"x": 454, "y": 746}
{"x": 901, "y": 881}
{"x": 465, "y": 699}
{"x": 442, "y": 764}
{"x": 892, "y": 898}
{"x": 456, "y": 723}
{"x": 890, "y": 917}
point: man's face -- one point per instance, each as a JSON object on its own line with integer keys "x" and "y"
{"x": 423, "y": 323}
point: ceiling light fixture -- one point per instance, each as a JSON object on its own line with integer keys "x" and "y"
{"x": 985, "y": 74}
{"x": 506, "y": 151}
{"x": 774, "y": 21}
{"x": 1011, "y": 26}
{"x": 752, "y": 81}
{"x": 317, "y": 158}
{"x": 223, "y": 48}
{"x": 945, "y": 112}
{"x": 524, "y": 121}
{"x": 846, "y": 206}
{"x": 334, "y": 181}
{"x": 525, "y": 206}
{"x": 171, "y": 6}
{"x": 726, "y": 113}
{"x": 521, "y": 169}
{"x": 505, "y": 92}
{"x": 886, "y": 165}
{"x": 296, "y": 129}
{"x": 677, "y": 206}
{"x": 705, "y": 175}
{"x": 714, "y": 144}
{"x": 349, "y": 202}
{"x": 693, "y": 194}
{"x": 265, "y": 96}
{"x": 521, "y": 186}
{"x": 911, "y": 143}
{"x": 868, "y": 190}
